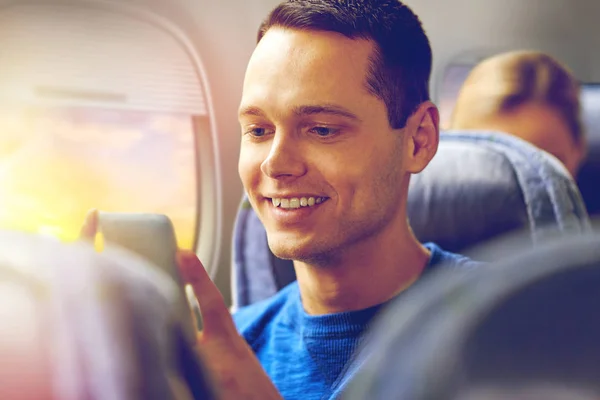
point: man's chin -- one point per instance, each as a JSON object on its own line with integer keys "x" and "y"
{"x": 306, "y": 251}
{"x": 288, "y": 247}
{"x": 286, "y": 252}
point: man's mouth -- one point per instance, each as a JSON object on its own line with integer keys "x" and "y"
{"x": 297, "y": 202}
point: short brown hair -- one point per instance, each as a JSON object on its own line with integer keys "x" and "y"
{"x": 401, "y": 66}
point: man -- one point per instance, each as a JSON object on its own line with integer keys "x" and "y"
{"x": 335, "y": 117}
{"x": 528, "y": 94}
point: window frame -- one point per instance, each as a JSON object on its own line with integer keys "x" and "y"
{"x": 208, "y": 218}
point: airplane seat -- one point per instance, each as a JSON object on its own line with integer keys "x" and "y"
{"x": 77, "y": 324}
{"x": 588, "y": 178}
{"x": 478, "y": 186}
{"x": 481, "y": 185}
{"x": 523, "y": 328}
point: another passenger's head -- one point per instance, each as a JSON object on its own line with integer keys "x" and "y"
{"x": 530, "y": 95}
{"x": 335, "y": 117}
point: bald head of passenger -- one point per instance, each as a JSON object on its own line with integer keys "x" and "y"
{"x": 527, "y": 94}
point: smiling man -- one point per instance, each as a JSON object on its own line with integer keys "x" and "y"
{"x": 335, "y": 117}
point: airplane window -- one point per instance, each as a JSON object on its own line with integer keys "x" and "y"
{"x": 57, "y": 163}
{"x": 104, "y": 105}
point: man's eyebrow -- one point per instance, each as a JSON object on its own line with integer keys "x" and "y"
{"x": 304, "y": 110}
{"x": 251, "y": 111}
{"x": 325, "y": 109}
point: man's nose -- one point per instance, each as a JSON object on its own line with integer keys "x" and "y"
{"x": 286, "y": 157}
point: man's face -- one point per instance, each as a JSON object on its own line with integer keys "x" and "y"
{"x": 319, "y": 161}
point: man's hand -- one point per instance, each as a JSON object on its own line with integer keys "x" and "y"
{"x": 236, "y": 371}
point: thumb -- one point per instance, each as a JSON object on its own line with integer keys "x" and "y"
{"x": 216, "y": 319}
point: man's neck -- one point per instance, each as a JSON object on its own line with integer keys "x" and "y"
{"x": 369, "y": 274}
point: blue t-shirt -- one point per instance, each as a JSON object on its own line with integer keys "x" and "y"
{"x": 305, "y": 355}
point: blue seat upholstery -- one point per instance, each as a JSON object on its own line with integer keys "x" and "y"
{"x": 478, "y": 186}
{"x": 521, "y": 324}
{"x": 589, "y": 176}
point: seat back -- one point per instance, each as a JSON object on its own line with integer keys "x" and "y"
{"x": 77, "y": 324}
{"x": 480, "y": 185}
{"x": 526, "y": 324}
{"x": 589, "y": 175}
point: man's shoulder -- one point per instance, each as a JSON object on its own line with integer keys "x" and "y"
{"x": 252, "y": 320}
{"x": 447, "y": 259}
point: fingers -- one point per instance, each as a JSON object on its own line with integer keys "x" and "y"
{"x": 216, "y": 318}
{"x": 90, "y": 226}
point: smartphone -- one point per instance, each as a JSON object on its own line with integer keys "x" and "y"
{"x": 152, "y": 237}
{"x": 149, "y": 235}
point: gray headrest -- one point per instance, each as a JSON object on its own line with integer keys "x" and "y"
{"x": 484, "y": 184}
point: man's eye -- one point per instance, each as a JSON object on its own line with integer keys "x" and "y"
{"x": 258, "y": 132}
{"x": 323, "y": 131}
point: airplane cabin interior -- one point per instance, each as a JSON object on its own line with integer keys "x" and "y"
{"x": 132, "y": 106}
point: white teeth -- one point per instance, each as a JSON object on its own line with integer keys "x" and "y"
{"x": 296, "y": 202}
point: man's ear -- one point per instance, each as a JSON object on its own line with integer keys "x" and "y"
{"x": 421, "y": 137}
